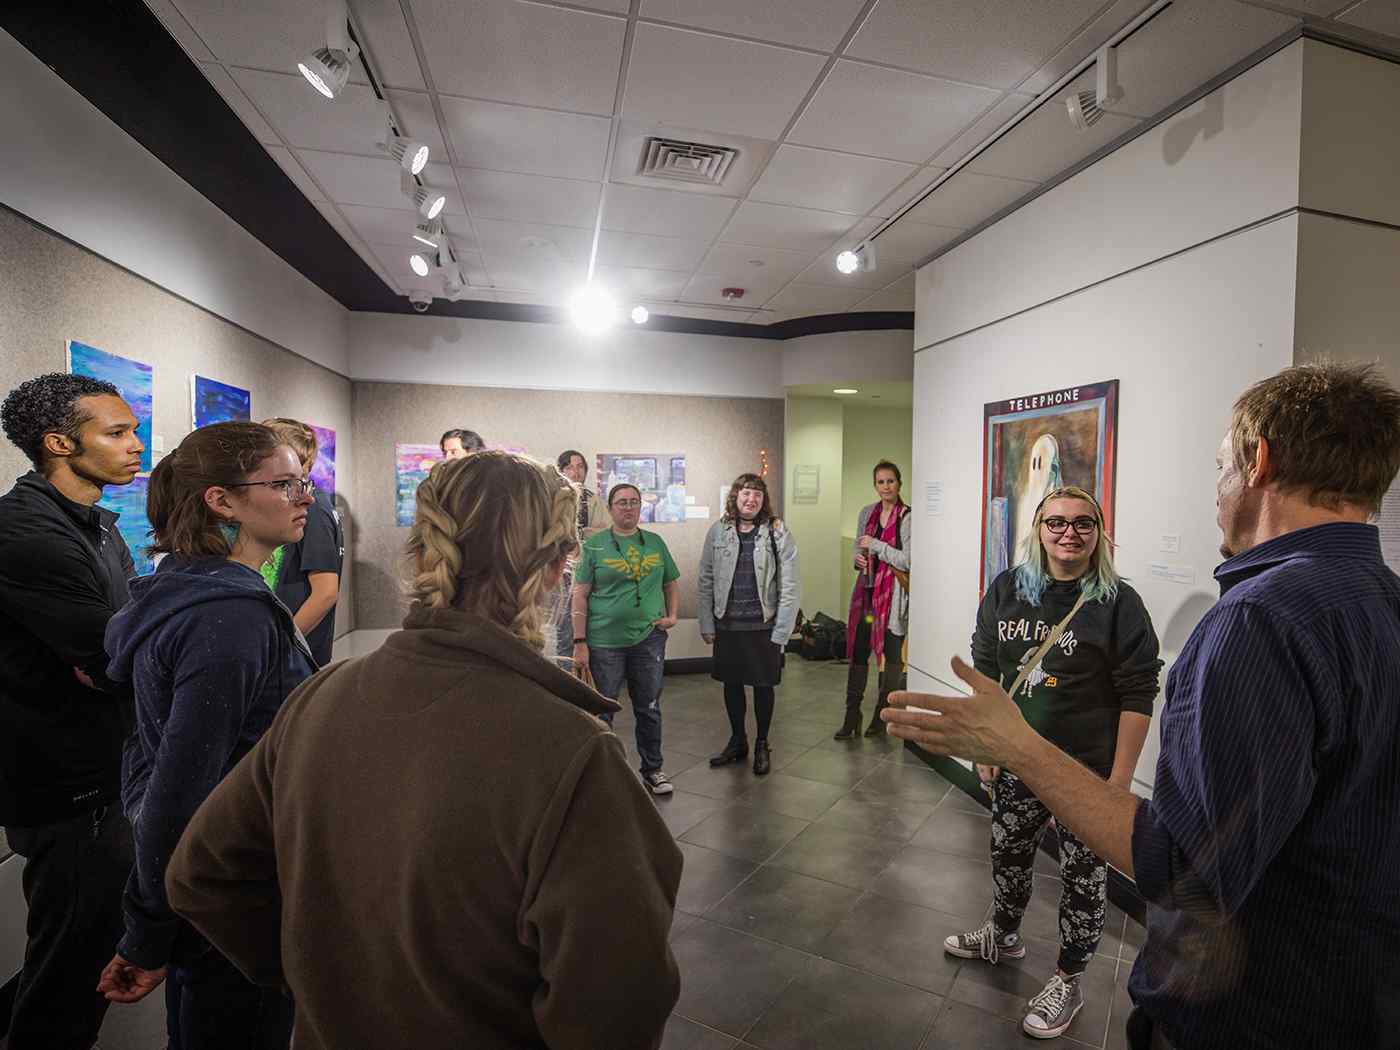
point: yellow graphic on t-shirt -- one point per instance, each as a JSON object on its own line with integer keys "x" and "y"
{"x": 634, "y": 566}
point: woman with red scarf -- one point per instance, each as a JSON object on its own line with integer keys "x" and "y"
{"x": 879, "y": 616}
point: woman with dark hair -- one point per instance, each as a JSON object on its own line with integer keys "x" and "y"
{"x": 211, "y": 654}
{"x": 879, "y": 615}
{"x": 748, "y": 593}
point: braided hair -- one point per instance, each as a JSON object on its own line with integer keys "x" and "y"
{"x": 487, "y": 529}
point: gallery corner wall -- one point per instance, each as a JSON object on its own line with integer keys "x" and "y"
{"x": 721, "y": 437}
{"x": 52, "y": 291}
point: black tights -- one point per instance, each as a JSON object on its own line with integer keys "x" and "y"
{"x": 736, "y": 705}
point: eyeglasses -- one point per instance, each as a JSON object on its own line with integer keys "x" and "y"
{"x": 290, "y": 488}
{"x": 627, "y": 504}
{"x": 1085, "y": 526}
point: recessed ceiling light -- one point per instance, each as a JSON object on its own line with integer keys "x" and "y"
{"x": 845, "y": 390}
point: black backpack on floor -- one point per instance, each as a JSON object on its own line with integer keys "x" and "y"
{"x": 823, "y": 638}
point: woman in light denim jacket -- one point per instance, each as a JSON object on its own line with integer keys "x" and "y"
{"x": 748, "y": 593}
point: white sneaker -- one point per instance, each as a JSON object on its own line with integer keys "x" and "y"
{"x": 658, "y": 782}
{"x": 983, "y": 943}
{"x": 1052, "y": 1010}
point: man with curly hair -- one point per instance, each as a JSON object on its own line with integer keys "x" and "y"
{"x": 63, "y": 573}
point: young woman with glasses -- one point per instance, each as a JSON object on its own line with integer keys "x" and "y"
{"x": 626, "y": 597}
{"x": 211, "y": 655}
{"x": 1091, "y": 694}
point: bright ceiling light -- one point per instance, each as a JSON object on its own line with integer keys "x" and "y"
{"x": 328, "y": 68}
{"x": 428, "y": 202}
{"x": 640, "y": 314}
{"x": 862, "y": 258}
{"x": 419, "y": 264}
{"x": 848, "y": 262}
{"x": 593, "y": 309}
{"x": 845, "y": 390}
{"x": 411, "y": 154}
{"x": 429, "y": 233}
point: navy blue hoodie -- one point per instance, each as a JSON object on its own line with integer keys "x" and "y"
{"x": 211, "y": 654}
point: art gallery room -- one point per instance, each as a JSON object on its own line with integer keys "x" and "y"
{"x": 641, "y": 379}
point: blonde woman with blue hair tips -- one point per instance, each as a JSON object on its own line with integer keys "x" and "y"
{"x": 1073, "y": 644}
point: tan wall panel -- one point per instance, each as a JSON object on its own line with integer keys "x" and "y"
{"x": 720, "y": 437}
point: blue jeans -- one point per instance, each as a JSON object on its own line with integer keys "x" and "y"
{"x": 641, "y": 667}
{"x": 209, "y": 1005}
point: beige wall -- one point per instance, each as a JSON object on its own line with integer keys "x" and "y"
{"x": 814, "y": 437}
{"x": 720, "y": 437}
{"x": 52, "y": 291}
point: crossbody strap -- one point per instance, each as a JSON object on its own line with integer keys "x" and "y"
{"x": 1034, "y": 662}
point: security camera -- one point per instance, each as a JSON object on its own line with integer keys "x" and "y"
{"x": 420, "y": 300}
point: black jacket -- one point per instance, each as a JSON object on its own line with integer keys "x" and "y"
{"x": 63, "y": 573}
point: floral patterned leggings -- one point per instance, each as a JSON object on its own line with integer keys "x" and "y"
{"x": 1018, "y": 818}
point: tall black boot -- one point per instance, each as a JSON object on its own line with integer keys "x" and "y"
{"x": 856, "y": 678}
{"x": 877, "y": 724}
{"x": 851, "y": 726}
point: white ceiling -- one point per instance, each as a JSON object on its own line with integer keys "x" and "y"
{"x": 843, "y": 110}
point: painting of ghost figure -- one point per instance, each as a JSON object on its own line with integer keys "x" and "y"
{"x": 1037, "y": 443}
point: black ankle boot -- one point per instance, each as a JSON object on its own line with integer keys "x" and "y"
{"x": 851, "y": 726}
{"x": 877, "y": 724}
{"x": 762, "y": 760}
{"x": 735, "y": 751}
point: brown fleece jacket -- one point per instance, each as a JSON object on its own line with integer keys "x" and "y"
{"x": 438, "y": 846}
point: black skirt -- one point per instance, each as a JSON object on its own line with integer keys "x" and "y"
{"x": 747, "y": 658}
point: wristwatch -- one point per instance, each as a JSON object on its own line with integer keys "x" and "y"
{"x": 580, "y": 641}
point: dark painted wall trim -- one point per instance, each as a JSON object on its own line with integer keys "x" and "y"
{"x": 118, "y": 56}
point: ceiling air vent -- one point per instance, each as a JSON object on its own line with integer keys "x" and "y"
{"x": 692, "y": 162}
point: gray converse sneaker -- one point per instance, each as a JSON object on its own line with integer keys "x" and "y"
{"x": 1052, "y": 1010}
{"x": 983, "y": 943}
{"x": 658, "y": 782}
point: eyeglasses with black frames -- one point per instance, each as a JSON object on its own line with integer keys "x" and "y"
{"x": 1084, "y": 525}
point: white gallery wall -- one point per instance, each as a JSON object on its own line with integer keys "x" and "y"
{"x": 1171, "y": 266}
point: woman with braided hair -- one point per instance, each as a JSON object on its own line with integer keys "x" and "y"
{"x": 503, "y": 815}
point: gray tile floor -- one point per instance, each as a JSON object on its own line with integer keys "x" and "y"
{"x": 815, "y": 901}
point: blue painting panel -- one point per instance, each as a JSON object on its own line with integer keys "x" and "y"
{"x": 216, "y": 402}
{"x": 129, "y": 501}
{"x": 133, "y": 379}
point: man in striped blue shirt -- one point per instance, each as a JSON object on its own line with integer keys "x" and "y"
{"x": 1270, "y": 852}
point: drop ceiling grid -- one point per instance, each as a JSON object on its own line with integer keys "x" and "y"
{"x": 760, "y": 43}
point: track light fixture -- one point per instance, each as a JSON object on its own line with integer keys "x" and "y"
{"x": 640, "y": 315}
{"x": 418, "y": 264}
{"x": 410, "y": 154}
{"x": 428, "y": 202}
{"x": 328, "y": 68}
{"x": 1086, "y": 108}
{"x": 428, "y": 233}
{"x": 862, "y": 258}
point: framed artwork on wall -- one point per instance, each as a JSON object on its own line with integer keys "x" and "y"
{"x": 215, "y": 402}
{"x": 323, "y": 470}
{"x": 660, "y": 477}
{"x": 411, "y": 466}
{"x": 134, "y": 379}
{"x": 1037, "y": 442}
{"x": 129, "y": 503}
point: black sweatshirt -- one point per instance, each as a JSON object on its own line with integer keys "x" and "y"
{"x": 63, "y": 573}
{"x": 1105, "y": 663}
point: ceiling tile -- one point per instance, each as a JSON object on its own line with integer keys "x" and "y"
{"x": 808, "y": 300}
{"x": 708, "y": 288}
{"x": 551, "y": 276}
{"x": 239, "y": 103}
{"x": 632, "y": 283}
{"x": 982, "y": 129}
{"x": 616, "y": 7}
{"x": 288, "y": 163}
{"x": 1085, "y": 43}
{"x": 817, "y": 24}
{"x": 703, "y": 81}
{"x": 1381, "y": 16}
{"x": 517, "y": 138}
{"x": 570, "y": 243}
{"x": 888, "y": 113}
{"x": 177, "y": 27}
{"x": 530, "y": 198}
{"x": 967, "y": 199}
{"x": 261, "y": 34}
{"x": 1045, "y": 144}
{"x": 374, "y": 181}
{"x": 381, "y": 227}
{"x": 828, "y": 181}
{"x": 897, "y": 296}
{"x": 640, "y": 250}
{"x": 502, "y": 295}
{"x": 906, "y": 192}
{"x": 992, "y": 42}
{"x": 384, "y": 32}
{"x": 911, "y": 242}
{"x": 1186, "y": 45}
{"x": 742, "y": 264}
{"x": 522, "y": 52}
{"x": 796, "y": 229}
{"x": 665, "y": 213}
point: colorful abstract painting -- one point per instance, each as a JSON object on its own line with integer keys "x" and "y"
{"x": 216, "y": 402}
{"x": 323, "y": 470}
{"x": 659, "y": 477}
{"x": 129, "y": 501}
{"x": 411, "y": 466}
{"x": 134, "y": 379}
{"x": 1036, "y": 443}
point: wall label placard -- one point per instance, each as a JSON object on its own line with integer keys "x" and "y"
{"x": 933, "y": 498}
{"x": 807, "y": 483}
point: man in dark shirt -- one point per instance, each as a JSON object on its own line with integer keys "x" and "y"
{"x": 63, "y": 573}
{"x": 308, "y": 579}
{"x": 1270, "y": 852}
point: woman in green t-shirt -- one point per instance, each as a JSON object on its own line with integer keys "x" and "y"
{"x": 625, "y": 600}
